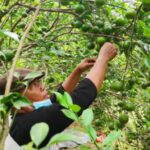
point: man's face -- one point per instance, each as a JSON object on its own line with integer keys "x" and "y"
{"x": 36, "y": 92}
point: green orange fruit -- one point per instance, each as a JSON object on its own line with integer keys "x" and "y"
{"x": 123, "y": 118}
{"x": 108, "y": 29}
{"x": 117, "y": 86}
{"x": 129, "y": 106}
{"x": 99, "y": 23}
{"x": 101, "y": 40}
{"x": 120, "y": 22}
{"x": 91, "y": 45}
{"x": 22, "y": 25}
{"x": 121, "y": 104}
{"x": 146, "y": 2}
{"x": 44, "y": 29}
{"x": 119, "y": 125}
{"x": 95, "y": 29}
{"x": 111, "y": 126}
{"x": 79, "y": 8}
{"x": 99, "y": 3}
{"x": 98, "y": 122}
{"x": 146, "y": 5}
{"x": 24, "y": 14}
{"x": 65, "y": 2}
{"x": 85, "y": 27}
{"x": 77, "y": 24}
{"x": 130, "y": 14}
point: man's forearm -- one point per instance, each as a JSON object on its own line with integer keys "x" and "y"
{"x": 97, "y": 73}
{"x": 71, "y": 81}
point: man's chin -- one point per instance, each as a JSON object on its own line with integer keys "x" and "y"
{"x": 46, "y": 96}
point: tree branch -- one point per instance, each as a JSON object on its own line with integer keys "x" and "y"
{"x": 10, "y": 76}
{"x": 67, "y": 11}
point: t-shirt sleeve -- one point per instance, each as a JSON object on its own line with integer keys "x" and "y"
{"x": 83, "y": 95}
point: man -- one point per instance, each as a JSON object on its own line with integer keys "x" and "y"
{"x": 82, "y": 95}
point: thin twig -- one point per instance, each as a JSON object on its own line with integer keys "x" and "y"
{"x": 67, "y": 11}
{"x": 10, "y": 76}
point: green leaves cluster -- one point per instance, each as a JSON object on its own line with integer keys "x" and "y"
{"x": 13, "y": 100}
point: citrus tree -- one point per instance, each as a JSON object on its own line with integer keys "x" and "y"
{"x": 56, "y": 35}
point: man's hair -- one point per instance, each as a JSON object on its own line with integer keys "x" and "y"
{"x": 19, "y": 79}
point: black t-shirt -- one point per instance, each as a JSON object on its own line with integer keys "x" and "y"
{"x": 83, "y": 95}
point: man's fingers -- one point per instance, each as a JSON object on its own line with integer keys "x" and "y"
{"x": 21, "y": 111}
{"x": 90, "y": 64}
{"x": 28, "y": 109}
{"x": 90, "y": 60}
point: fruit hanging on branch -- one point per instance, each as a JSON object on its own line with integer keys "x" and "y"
{"x": 77, "y": 24}
{"x": 99, "y": 23}
{"x": 65, "y": 2}
{"x": 120, "y": 22}
{"x": 146, "y": 5}
{"x": 123, "y": 118}
{"x": 129, "y": 106}
{"x": 99, "y": 3}
{"x": 101, "y": 40}
{"x": 79, "y": 8}
{"x": 91, "y": 45}
{"x": 95, "y": 29}
{"x": 86, "y": 27}
{"x": 117, "y": 86}
{"x": 130, "y": 14}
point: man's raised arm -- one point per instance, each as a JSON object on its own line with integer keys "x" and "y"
{"x": 97, "y": 73}
{"x": 71, "y": 81}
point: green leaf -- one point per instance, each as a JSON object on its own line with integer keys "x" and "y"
{"x": 61, "y": 137}
{"x": 147, "y": 62}
{"x": 147, "y": 32}
{"x": 16, "y": 100}
{"x": 91, "y": 132}
{"x": 33, "y": 75}
{"x": 39, "y": 132}
{"x": 61, "y": 99}
{"x": 3, "y": 55}
{"x": 36, "y": 2}
{"x": 112, "y": 137}
{"x": 75, "y": 108}
{"x": 70, "y": 114}
{"x": 22, "y": 102}
{"x": 28, "y": 146}
{"x": 10, "y": 34}
{"x": 67, "y": 98}
{"x": 3, "y": 110}
{"x": 108, "y": 148}
{"x": 87, "y": 116}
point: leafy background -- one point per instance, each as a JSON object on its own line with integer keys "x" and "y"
{"x": 65, "y": 32}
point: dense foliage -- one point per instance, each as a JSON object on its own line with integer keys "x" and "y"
{"x": 65, "y": 32}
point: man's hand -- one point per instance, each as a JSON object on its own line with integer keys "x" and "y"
{"x": 24, "y": 109}
{"x": 98, "y": 71}
{"x": 107, "y": 52}
{"x": 71, "y": 81}
{"x": 86, "y": 64}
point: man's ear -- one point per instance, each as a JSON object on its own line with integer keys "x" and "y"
{"x": 26, "y": 91}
